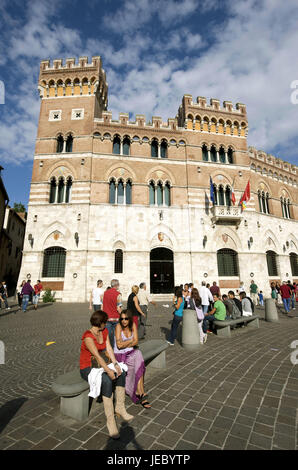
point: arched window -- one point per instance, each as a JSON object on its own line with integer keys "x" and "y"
{"x": 267, "y": 203}
{"x": 205, "y": 153}
{"x": 53, "y": 190}
{"x": 215, "y": 195}
{"x": 167, "y": 194}
{"x": 154, "y": 148}
{"x": 128, "y": 192}
{"x": 68, "y": 189}
{"x": 230, "y": 155}
{"x": 118, "y": 262}
{"x": 60, "y": 197}
{"x": 120, "y": 192}
{"x": 116, "y": 145}
{"x": 164, "y": 149}
{"x": 54, "y": 262}
{"x": 294, "y": 263}
{"x": 60, "y": 142}
{"x": 260, "y": 201}
{"x": 221, "y": 196}
{"x": 272, "y": 263}
{"x": 159, "y": 194}
{"x": 213, "y": 153}
{"x": 285, "y": 206}
{"x": 126, "y": 146}
{"x": 112, "y": 191}
{"x": 69, "y": 143}
{"x": 227, "y": 262}
{"x": 222, "y": 155}
{"x": 152, "y": 193}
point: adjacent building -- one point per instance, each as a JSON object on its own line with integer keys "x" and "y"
{"x": 115, "y": 198}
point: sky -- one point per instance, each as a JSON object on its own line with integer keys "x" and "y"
{"x": 153, "y": 52}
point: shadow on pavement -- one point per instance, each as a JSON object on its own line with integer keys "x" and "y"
{"x": 127, "y": 435}
{"x": 8, "y": 411}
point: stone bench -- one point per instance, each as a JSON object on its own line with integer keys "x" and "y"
{"x": 223, "y": 327}
{"x": 73, "y": 390}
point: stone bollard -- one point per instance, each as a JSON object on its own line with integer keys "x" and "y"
{"x": 190, "y": 330}
{"x": 271, "y": 314}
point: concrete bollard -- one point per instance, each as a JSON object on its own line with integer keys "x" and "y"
{"x": 190, "y": 330}
{"x": 271, "y": 314}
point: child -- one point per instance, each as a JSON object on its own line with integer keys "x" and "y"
{"x": 261, "y": 298}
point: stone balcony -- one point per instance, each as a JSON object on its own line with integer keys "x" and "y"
{"x": 226, "y": 215}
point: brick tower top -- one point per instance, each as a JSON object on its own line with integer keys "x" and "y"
{"x": 71, "y": 79}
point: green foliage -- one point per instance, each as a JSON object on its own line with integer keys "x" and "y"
{"x": 19, "y": 207}
{"x": 48, "y": 296}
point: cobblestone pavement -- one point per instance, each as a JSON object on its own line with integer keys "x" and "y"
{"x": 233, "y": 393}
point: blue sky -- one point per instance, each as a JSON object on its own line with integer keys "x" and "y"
{"x": 153, "y": 52}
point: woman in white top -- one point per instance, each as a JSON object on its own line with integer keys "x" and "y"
{"x": 96, "y": 297}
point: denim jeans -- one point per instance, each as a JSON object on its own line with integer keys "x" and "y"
{"x": 175, "y": 323}
{"x": 96, "y": 307}
{"x": 4, "y": 300}
{"x": 293, "y": 300}
{"x": 111, "y": 327}
{"x": 287, "y": 304}
{"x": 25, "y": 302}
{"x": 205, "y": 322}
{"x": 107, "y": 384}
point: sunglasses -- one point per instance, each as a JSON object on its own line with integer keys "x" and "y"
{"x": 124, "y": 318}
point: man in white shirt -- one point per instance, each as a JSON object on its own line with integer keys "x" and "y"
{"x": 96, "y": 297}
{"x": 206, "y": 297}
{"x": 144, "y": 300}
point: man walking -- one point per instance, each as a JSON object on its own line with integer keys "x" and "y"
{"x": 112, "y": 305}
{"x": 144, "y": 300}
{"x": 286, "y": 294}
{"x": 214, "y": 289}
{"x": 27, "y": 290}
{"x": 253, "y": 292}
{"x": 96, "y": 296}
{"x": 37, "y": 291}
{"x": 3, "y": 295}
{"x": 206, "y": 297}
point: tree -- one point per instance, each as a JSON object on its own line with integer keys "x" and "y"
{"x": 19, "y": 207}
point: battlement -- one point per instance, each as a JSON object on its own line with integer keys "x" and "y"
{"x": 73, "y": 79}
{"x": 259, "y": 157}
{"x": 201, "y": 104}
{"x": 156, "y": 122}
{"x": 70, "y": 63}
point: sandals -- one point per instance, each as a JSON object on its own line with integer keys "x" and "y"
{"x": 143, "y": 401}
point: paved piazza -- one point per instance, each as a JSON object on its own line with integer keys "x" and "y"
{"x": 238, "y": 393}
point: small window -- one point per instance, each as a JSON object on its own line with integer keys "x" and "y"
{"x": 128, "y": 192}
{"x": 164, "y": 149}
{"x": 60, "y": 142}
{"x": 136, "y": 138}
{"x": 69, "y": 143}
{"x": 126, "y": 146}
{"x": 154, "y": 149}
{"x": 118, "y": 264}
{"x": 54, "y": 262}
{"x": 116, "y": 145}
{"x": 53, "y": 190}
{"x": 227, "y": 263}
{"x": 272, "y": 263}
{"x": 112, "y": 192}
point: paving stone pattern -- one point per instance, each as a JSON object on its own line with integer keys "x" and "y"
{"x": 238, "y": 393}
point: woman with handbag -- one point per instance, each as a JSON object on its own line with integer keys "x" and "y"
{"x": 195, "y": 303}
{"x": 124, "y": 350}
{"x": 96, "y": 351}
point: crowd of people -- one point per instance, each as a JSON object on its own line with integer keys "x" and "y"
{"x": 25, "y": 293}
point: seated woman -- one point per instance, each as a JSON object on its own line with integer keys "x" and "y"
{"x": 126, "y": 338}
{"x": 96, "y": 347}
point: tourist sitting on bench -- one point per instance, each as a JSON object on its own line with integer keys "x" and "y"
{"x": 217, "y": 313}
{"x": 96, "y": 347}
{"x": 126, "y": 338}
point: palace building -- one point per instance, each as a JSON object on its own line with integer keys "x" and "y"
{"x": 111, "y": 198}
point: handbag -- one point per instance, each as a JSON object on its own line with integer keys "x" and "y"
{"x": 199, "y": 311}
{"x": 104, "y": 356}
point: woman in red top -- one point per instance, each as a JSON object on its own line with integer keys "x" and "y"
{"x": 96, "y": 346}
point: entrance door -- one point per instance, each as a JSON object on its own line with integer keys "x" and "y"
{"x": 161, "y": 271}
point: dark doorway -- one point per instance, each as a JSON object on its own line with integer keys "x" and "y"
{"x": 161, "y": 271}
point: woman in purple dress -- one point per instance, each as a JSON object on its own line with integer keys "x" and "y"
{"x": 126, "y": 338}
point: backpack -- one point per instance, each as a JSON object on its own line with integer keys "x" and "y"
{"x": 235, "y": 312}
{"x": 252, "y": 304}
